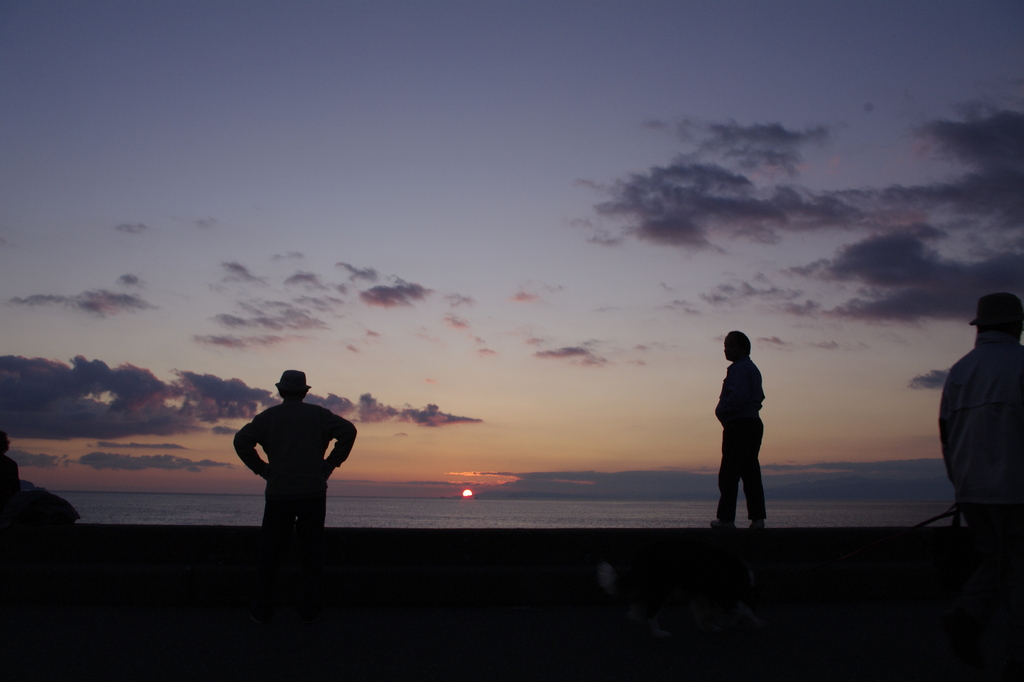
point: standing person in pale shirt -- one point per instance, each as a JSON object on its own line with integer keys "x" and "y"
{"x": 981, "y": 425}
{"x": 738, "y": 410}
{"x": 294, "y": 435}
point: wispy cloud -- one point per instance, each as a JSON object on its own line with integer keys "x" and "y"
{"x": 124, "y": 462}
{"x": 236, "y": 272}
{"x": 754, "y": 147}
{"x": 577, "y": 355}
{"x": 307, "y": 280}
{"x": 140, "y": 446}
{"x": 272, "y": 316}
{"x": 356, "y": 274}
{"x": 455, "y": 322}
{"x": 893, "y": 479}
{"x": 131, "y": 228}
{"x": 242, "y": 342}
{"x": 456, "y": 300}
{"x": 762, "y": 289}
{"x": 523, "y": 296}
{"x": 98, "y": 302}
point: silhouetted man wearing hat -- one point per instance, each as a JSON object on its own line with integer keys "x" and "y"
{"x": 981, "y": 424}
{"x": 294, "y": 435}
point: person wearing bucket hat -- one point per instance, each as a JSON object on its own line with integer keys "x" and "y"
{"x": 294, "y": 436}
{"x": 981, "y": 427}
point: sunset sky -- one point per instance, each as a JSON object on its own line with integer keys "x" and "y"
{"x": 506, "y": 239}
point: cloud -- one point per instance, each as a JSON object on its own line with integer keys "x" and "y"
{"x": 603, "y": 237}
{"x": 322, "y": 303}
{"x": 763, "y": 289}
{"x": 455, "y": 322}
{"x": 760, "y": 146}
{"x": 47, "y": 399}
{"x": 129, "y": 280}
{"x": 210, "y": 398}
{"x": 683, "y": 306}
{"x": 523, "y": 296}
{"x": 893, "y": 467}
{"x": 595, "y": 484}
{"x": 401, "y": 294}
{"x": 112, "y": 460}
{"x": 456, "y": 300}
{"x": 50, "y": 400}
{"x": 271, "y": 315}
{"x": 774, "y": 342}
{"x": 923, "y": 251}
{"x": 291, "y": 255}
{"x": 306, "y": 280}
{"x": 929, "y": 380}
{"x": 99, "y": 302}
{"x": 683, "y": 204}
{"x": 904, "y": 278}
{"x": 355, "y": 274}
{"x": 138, "y": 446}
{"x": 432, "y": 416}
{"x": 39, "y": 461}
{"x": 241, "y": 342}
{"x": 337, "y": 405}
{"x": 131, "y": 228}
{"x": 987, "y": 139}
{"x": 236, "y": 272}
{"x": 577, "y": 355}
{"x": 895, "y": 479}
{"x": 369, "y": 410}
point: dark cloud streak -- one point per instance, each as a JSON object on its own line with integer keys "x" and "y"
{"x": 98, "y": 302}
{"x": 401, "y": 294}
{"x": 117, "y": 461}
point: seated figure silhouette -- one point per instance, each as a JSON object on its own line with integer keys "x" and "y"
{"x": 32, "y": 507}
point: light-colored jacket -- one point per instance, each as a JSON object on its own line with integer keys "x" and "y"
{"x": 981, "y": 422}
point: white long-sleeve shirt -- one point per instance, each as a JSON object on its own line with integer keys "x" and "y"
{"x": 982, "y": 422}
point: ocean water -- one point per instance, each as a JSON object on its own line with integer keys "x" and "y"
{"x": 369, "y": 512}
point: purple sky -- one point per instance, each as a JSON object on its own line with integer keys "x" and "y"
{"x": 506, "y": 238}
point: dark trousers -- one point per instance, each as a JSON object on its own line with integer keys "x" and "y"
{"x": 741, "y": 443}
{"x": 998, "y": 531}
{"x": 306, "y": 516}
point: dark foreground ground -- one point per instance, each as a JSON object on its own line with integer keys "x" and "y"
{"x": 870, "y": 642}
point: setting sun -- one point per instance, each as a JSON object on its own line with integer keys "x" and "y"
{"x": 467, "y": 493}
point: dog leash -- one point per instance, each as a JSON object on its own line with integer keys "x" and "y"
{"x": 952, "y": 511}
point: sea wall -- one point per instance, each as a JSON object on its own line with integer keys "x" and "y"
{"x": 215, "y": 565}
